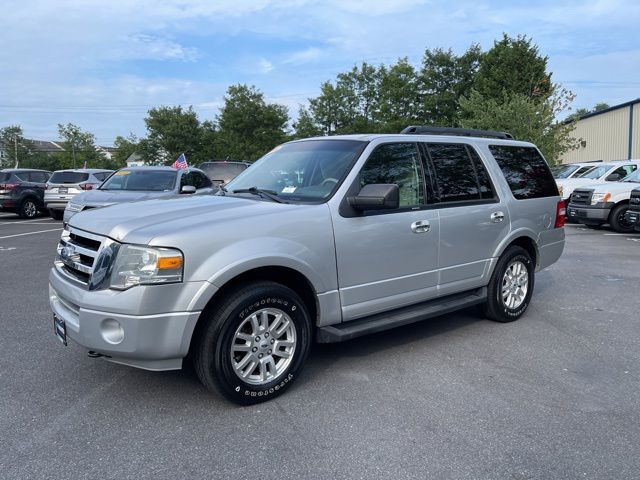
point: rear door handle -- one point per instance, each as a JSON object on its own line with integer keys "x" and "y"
{"x": 497, "y": 217}
{"x": 421, "y": 226}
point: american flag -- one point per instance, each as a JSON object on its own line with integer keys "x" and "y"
{"x": 181, "y": 162}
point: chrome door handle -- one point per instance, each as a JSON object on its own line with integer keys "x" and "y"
{"x": 497, "y": 217}
{"x": 421, "y": 226}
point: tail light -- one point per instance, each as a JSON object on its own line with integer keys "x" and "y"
{"x": 561, "y": 214}
{"x": 8, "y": 186}
{"x": 88, "y": 186}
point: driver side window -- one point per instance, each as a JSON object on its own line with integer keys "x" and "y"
{"x": 396, "y": 163}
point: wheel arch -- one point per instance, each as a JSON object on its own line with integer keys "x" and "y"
{"x": 283, "y": 275}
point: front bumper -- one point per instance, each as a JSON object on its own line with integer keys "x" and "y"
{"x": 152, "y": 338}
{"x": 633, "y": 217}
{"x": 589, "y": 214}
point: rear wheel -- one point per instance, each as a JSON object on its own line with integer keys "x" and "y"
{"x": 28, "y": 208}
{"x": 254, "y": 342}
{"x": 511, "y": 286}
{"x": 55, "y": 214}
{"x": 617, "y": 220}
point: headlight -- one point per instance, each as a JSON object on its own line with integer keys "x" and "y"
{"x": 600, "y": 197}
{"x": 137, "y": 265}
{"x": 74, "y": 207}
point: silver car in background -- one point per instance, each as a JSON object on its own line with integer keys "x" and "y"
{"x": 140, "y": 183}
{"x": 66, "y": 184}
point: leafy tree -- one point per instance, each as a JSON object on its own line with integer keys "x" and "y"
{"x": 15, "y": 146}
{"x": 306, "y": 125}
{"x": 207, "y": 146}
{"x": 585, "y": 111}
{"x": 399, "y": 94}
{"x": 513, "y": 65}
{"x": 248, "y": 127}
{"x": 525, "y": 118}
{"x": 171, "y": 131}
{"x": 446, "y": 77}
{"x": 125, "y": 146}
{"x": 79, "y": 147}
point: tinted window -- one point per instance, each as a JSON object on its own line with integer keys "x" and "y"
{"x": 484, "y": 182}
{"x": 454, "y": 173}
{"x": 200, "y": 180}
{"x": 396, "y": 163}
{"x": 4, "y": 177}
{"x": 525, "y": 170}
{"x": 101, "y": 175}
{"x": 141, "y": 180}
{"x": 69, "y": 177}
{"x": 222, "y": 172}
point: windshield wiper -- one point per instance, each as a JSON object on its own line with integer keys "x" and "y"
{"x": 223, "y": 189}
{"x": 261, "y": 192}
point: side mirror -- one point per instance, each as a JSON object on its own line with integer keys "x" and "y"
{"x": 376, "y": 196}
{"x": 614, "y": 177}
{"x": 188, "y": 189}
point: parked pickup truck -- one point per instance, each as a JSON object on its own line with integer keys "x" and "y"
{"x": 632, "y": 216}
{"x": 605, "y": 202}
{"x": 603, "y": 172}
{"x": 322, "y": 239}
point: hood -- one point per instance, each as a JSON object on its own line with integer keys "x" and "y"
{"x": 109, "y": 197}
{"x": 140, "y": 222}
{"x": 615, "y": 187}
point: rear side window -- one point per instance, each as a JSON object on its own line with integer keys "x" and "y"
{"x": 68, "y": 177}
{"x": 4, "y": 177}
{"x": 38, "y": 177}
{"x": 525, "y": 170}
{"x": 101, "y": 175}
{"x": 200, "y": 180}
{"x": 459, "y": 173}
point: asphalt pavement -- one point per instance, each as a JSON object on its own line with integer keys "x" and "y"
{"x": 555, "y": 395}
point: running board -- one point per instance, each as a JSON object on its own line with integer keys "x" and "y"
{"x": 401, "y": 316}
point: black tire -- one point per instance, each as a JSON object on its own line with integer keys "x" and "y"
{"x": 28, "y": 208}
{"x": 617, "y": 221}
{"x": 56, "y": 214}
{"x": 212, "y": 353}
{"x": 495, "y": 307}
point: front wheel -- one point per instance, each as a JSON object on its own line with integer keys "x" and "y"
{"x": 254, "y": 343}
{"x": 511, "y": 286}
{"x": 618, "y": 221}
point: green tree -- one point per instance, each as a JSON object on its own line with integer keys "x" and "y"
{"x": 305, "y": 126}
{"x": 580, "y": 112}
{"x": 399, "y": 97}
{"x": 513, "y": 65}
{"x": 171, "y": 131}
{"x": 248, "y": 126}
{"x": 207, "y": 145}
{"x": 80, "y": 147}
{"x": 525, "y": 118}
{"x": 446, "y": 77}
{"x": 15, "y": 146}
{"x": 125, "y": 146}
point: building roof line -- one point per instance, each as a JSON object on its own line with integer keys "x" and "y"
{"x": 609, "y": 109}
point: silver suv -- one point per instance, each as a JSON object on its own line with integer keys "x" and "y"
{"x": 322, "y": 239}
{"x": 66, "y": 184}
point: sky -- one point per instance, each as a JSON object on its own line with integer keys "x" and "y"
{"x": 102, "y": 65}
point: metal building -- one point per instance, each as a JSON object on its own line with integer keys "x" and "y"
{"x": 610, "y": 134}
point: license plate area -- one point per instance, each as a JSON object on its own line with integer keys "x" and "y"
{"x": 60, "y": 329}
{"x": 63, "y": 190}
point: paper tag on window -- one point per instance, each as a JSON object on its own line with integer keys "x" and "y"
{"x": 289, "y": 189}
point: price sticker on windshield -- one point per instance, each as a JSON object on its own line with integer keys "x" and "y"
{"x": 289, "y": 189}
{"x": 123, "y": 172}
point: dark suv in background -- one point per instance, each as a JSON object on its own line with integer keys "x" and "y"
{"x": 22, "y": 191}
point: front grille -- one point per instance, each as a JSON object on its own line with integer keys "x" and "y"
{"x": 634, "y": 201}
{"x": 581, "y": 197}
{"x": 77, "y": 253}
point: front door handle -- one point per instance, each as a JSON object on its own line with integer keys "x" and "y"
{"x": 497, "y": 217}
{"x": 421, "y": 226}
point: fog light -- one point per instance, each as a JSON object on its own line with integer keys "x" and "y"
{"x": 112, "y": 331}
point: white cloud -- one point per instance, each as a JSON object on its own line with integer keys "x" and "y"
{"x": 264, "y": 65}
{"x": 303, "y": 56}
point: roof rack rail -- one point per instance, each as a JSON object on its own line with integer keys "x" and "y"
{"x": 462, "y": 132}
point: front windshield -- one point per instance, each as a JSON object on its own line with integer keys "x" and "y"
{"x": 632, "y": 177}
{"x": 597, "y": 172}
{"x": 307, "y": 171}
{"x": 141, "y": 180}
{"x": 565, "y": 171}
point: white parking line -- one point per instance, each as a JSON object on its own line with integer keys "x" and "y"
{"x": 20, "y": 222}
{"x": 30, "y": 233}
